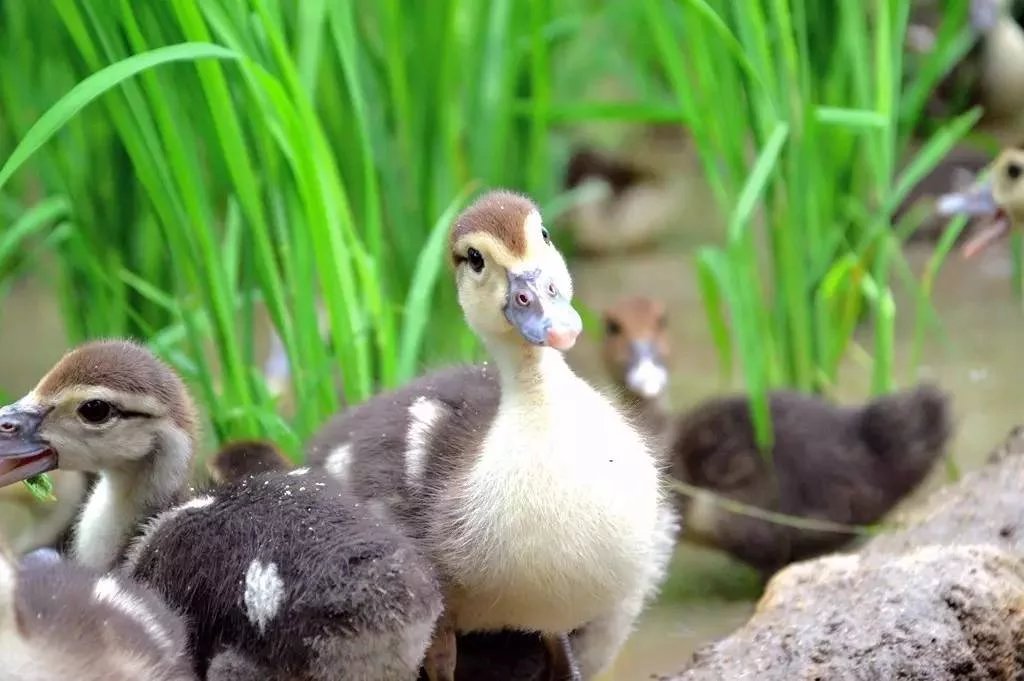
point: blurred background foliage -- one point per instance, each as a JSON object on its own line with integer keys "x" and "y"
{"x": 198, "y": 169}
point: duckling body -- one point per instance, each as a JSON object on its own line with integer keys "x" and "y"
{"x": 278, "y": 597}
{"x": 59, "y": 620}
{"x": 847, "y": 465}
{"x": 281, "y": 576}
{"x": 32, "y": 524}
{"x": 630, "y": 207}
{"x": 539, "y": 503}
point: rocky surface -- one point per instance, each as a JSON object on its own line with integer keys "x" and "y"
{"x": 942, "y": 598}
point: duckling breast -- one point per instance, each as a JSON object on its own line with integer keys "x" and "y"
{"x": 555, "y": 523}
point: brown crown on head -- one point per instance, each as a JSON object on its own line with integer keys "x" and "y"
{"x": 126, "y": 367}
{"x": 636, "y": 313}
{"x": 500, "y": 213}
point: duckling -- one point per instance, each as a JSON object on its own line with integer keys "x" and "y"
{"x": 243, "y": 458}
{"x": 541, "y": 506}
{"x": 997, "y": 196}
{"x": 635, "y": 354}
{"x": 298, "y": 579}
{"x": 991, "y": 73}
{"x": 630, "y": 209}
{"x": 59, "y": 620}
{"x": 841, "y": 464}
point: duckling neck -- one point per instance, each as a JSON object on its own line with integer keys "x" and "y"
{"x": 125, "y": 496}
{"x": 528, "y": 371}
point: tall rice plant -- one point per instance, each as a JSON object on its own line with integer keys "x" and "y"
{"x": 801, "y": 119}
{"x": 249, "y": 155}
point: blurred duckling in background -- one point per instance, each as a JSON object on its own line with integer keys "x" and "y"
{"x": 31, "y": 523}
{"x": 840, "y": 464}
{"x": 991, "y": 74}
{"x": 624, "y": 206}
{"x": 59, "y": 620}
{"x": 245, "y": 458}
{"x": 997, "y": 197}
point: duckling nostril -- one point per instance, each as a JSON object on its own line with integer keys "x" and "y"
{"x": 523, "y": 299}
{"x": 552, "y": 291}
{"x": 9, "y": 427}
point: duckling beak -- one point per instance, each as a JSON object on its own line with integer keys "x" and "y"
{"x": 22, "y": 452}
{"x": 541, "y": 312}
{"x": 646, "y": 375}
{"x": 976, "y": 201}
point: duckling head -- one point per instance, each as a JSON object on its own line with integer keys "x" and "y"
{"x": 998, "y": 197}
{"x": 105, "y": 405}
{"x": 242, "y": 458}
{"x": 513, "y": 284}
{"x": 635, "y": 346}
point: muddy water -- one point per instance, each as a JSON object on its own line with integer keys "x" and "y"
{"x": 708, "y": 595}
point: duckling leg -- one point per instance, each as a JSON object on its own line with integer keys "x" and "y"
{"x": 439, "y": 661}
{"x": 561, "y": 660}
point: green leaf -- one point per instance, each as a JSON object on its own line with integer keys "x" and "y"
{"x": 95, "y": 85}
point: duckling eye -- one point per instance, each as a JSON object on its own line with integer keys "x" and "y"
{"x": 476, "y": 261}
{"x": 612, "y": 327}
{"x": 95, "y": 411}
{"x": 1013, "y": 171}
{"x": 547, "y": 237}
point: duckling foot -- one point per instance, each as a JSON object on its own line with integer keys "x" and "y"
{"x": 439, "y": 662}
{"x": 561, "y": 659}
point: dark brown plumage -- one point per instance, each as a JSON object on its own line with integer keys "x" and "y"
{"x": 298, "y": 581}
{"x": 242, "y": 458}
{"x": 842, "y": 464}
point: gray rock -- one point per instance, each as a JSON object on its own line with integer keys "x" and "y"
{"x": 942, "y": 598}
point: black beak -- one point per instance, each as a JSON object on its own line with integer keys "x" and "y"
{"x": 22, "y": 453}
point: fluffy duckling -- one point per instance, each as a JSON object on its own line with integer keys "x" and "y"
{"x": 483, "y": 656}
{"x": 298, "y": 579}
{"x": 244, "y": 458}
{"x": 841, "y": 464}
{"x": 991, "y": 73}
{"x": 998, "y": 196}
{"x": 635, "y": 352}
{"x": 630, "y": 207}
{"x": 539, "y": 503}
{"x": 59, "y": 620}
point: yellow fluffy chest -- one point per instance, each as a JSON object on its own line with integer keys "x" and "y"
{"x": 557, "y": 519}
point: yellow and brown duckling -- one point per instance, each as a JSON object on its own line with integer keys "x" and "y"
{"x": 997, "y": 197}
{"x": 839, "y": 464}
{"x": 299, "y": 579}
{"x": 540, "y": 504}
{"x": 59, "y": 620}
{"x": 31, "y": 523}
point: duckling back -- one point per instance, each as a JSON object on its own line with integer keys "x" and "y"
{"x": 285, "y": 575}
{"x": 839, "y": 464}
{"x": 59, "y": 620}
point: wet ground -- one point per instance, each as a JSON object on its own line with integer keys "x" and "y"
{"x": 708, "y": 595}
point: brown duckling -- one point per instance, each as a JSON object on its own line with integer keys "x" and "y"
{"x": 840, "y": 464}
{"x": 631, "y": 207}
{"x": 244, "y": 458}
{"x": 298, "y": 579}
{"x": 540, "y": 504}
{"x": 59, "y": 620}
